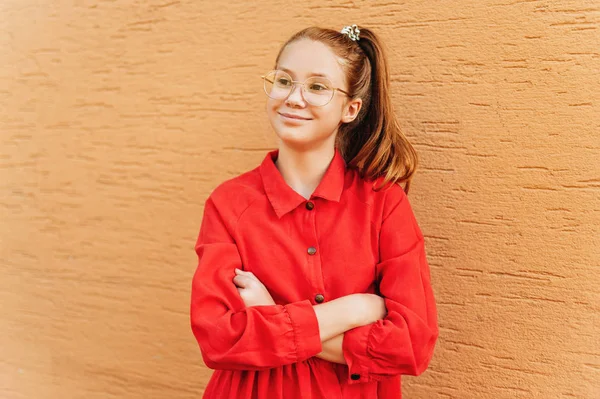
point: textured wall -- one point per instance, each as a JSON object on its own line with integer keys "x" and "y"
{"x": 118, "y": 118}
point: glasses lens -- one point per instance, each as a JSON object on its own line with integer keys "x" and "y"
{"x": 318, "y": 90}
{"x": 277, "y": 84}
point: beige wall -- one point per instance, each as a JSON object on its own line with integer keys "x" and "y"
{"x": 117, "y": 120}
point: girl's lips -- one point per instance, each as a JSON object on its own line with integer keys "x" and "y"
{"x": 296, "y": 120}
{"x": 292, "y": 118}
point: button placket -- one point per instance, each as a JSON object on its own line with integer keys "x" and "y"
{"x": 314, "y": 258}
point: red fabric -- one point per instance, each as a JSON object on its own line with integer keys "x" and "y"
{"x": 366, "y": 242}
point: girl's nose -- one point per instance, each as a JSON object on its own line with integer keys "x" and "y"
{"x": 295, "y": 95}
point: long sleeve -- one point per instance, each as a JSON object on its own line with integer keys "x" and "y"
{"x": 231, "y": 336}
{"x": 403, "y": 342}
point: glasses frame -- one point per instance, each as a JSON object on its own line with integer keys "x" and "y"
{"x": 294, "y": 83}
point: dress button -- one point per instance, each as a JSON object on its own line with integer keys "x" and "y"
{"x": 312, "y": 250}
{"x": 319, "y": 298}
{"x": 355, "y": 376}
{"x": 310, "y": 205}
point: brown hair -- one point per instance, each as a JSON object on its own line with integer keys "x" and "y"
{"x": 373, "y": 142}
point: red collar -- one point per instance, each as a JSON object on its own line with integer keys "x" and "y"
{"x": 284, "y": 199}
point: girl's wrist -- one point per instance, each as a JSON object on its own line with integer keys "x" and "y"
{"x": 366, "y": 309}
{"x": 356, "y": 309}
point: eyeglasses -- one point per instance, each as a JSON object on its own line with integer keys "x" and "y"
{"x": 316, "y": 90}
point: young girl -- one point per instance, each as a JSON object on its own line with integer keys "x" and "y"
{"x": 312, "y": 280}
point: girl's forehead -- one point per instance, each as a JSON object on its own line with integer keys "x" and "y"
{"x": 306, "y": 58}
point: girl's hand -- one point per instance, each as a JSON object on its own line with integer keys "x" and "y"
{"x": 251, "y": 289}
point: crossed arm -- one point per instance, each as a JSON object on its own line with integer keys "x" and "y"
{"x": 332, "y": 350}
{"x": 376, "y": 343}
{"x": 334, "y": 317}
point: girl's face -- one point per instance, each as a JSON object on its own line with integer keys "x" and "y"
{"x": 300, "y": 60}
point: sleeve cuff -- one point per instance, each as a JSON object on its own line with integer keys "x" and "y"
{"x": 354, "y": 348}
{"x": 306, "y": 329}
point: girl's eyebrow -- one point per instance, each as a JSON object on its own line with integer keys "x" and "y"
{"x": 311, "y": 74}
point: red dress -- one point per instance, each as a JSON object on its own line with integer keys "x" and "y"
{"x": 347, "y": 238}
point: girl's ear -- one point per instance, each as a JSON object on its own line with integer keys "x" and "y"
{"x": 351, "y": 110}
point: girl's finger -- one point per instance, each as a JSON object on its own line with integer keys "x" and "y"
{"x": 248, "y": 274}
{"x": 241, "y": 281}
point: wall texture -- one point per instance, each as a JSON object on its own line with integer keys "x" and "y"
{"x": 118, "y": 118}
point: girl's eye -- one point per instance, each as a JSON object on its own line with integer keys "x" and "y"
{"x": 283, "y": 81}
{"x": 317, "y": 87}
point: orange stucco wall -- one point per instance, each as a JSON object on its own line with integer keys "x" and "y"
{"x": 118, "y": 118}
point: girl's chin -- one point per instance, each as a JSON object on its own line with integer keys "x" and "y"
{"x": 294, "y": 129}
{"x": 294, "y": 135}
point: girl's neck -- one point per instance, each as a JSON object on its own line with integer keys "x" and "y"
{"x": 303, "y": 170}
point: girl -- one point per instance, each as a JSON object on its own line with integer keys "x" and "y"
{"x": 312, "y": 280}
